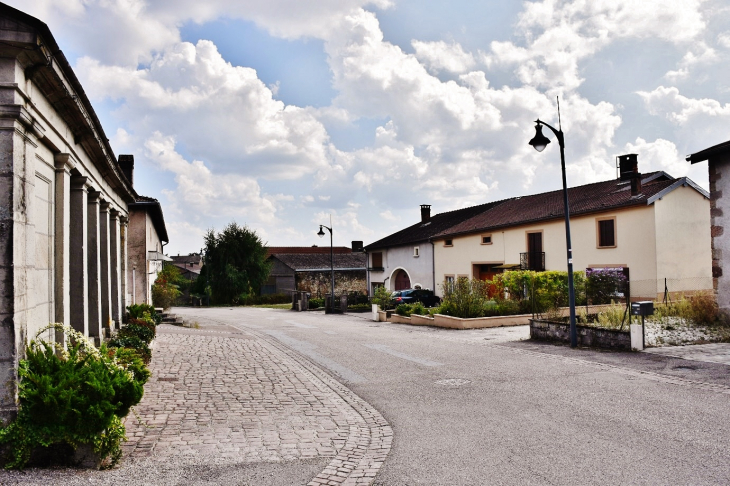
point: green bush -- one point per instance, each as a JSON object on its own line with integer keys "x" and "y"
{"x": 407, "y": 310}
{"x": 246, "y": 299}
{"x": 383, "y": 298}
{"x": 132, "y": 342}
{"x": 144, "y": 311}
{"x": 316, "y": 303}
{"x": 130, "y": 360}
{"x": 141, "y": 329}
{"x": 73, "y": 397}
{"x": 358, "y": 307}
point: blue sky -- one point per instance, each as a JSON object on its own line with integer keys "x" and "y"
{"x": 279, "y": 114}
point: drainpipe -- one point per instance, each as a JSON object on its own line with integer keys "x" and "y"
{"x": 367, "y": 272}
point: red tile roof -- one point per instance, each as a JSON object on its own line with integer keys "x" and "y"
{"x": 586, "y": 199}
{"x": 275, "y": 250}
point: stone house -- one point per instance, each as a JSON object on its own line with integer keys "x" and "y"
{"x": 147, "y": 236}
{"x": 718, "y": 167}
{"x": 63, "y": 201}
{"x": 651, "y": 226}
{"x": 312, "y": 273}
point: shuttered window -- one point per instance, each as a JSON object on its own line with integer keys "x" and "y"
{"x": 377, "y": 260}
{"x": 607, "y": 233}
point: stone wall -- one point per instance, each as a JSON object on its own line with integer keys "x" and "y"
{"x": 719, "y": 175}
{"x": 318, "y": 283}
{"x": 542, "y": 330}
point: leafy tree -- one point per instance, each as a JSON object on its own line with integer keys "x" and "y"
{"x": 166, "y": 287}
{"x": 235, "y": 263}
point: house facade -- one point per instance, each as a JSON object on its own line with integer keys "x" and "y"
{"x": 312, "y": 272}
{"x": 405, "y": 259}
{"x": 147, "y": 236}
{"x": 63, "y": 201}
{"x": 653, "y": 226}
{"x": 282, "y": 277}
{"x": 718, "y": 167}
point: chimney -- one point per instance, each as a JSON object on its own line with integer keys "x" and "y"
{"x": 425, "y": 213}
{"x": 636, "y": 184}
{"x": 126, "y": 163}
{"x": 357, "y": 246}
{"x": 628, "y": 165}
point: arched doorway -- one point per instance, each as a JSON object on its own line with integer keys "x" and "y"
{"x": 402, "y": 281}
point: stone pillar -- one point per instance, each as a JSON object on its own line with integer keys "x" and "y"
{"x": 78, "y": 258}
{"x": 104, "y": 265}
{"x": 123, "y": 227}
{"x": 115, "y": 267}
{"x": 64, "y": 164}
{"x": 94, "y": 264}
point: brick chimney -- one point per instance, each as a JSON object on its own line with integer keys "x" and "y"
{"x": 425, "y": 213}
{"x": 629, "y": 171}
{"x": 126, "y": 164}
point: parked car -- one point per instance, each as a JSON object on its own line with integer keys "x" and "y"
{"x": 408, "y": 296}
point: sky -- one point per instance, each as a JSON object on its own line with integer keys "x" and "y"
{"x": 282, "y": 114}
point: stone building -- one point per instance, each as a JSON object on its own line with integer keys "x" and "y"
{"x": 718, "y": 167}
{"x": 63, "y": 201}
{"x": 313, "y": 273}
{"x": 147, "y": 234}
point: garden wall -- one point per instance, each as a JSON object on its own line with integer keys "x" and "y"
{"x": 543, "y": 330}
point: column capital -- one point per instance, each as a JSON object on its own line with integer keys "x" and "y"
{"x": 78, "y": 183}
{"x": 94, "y": 196}
{"x": 104, "y": 205}
{"x": 123, "y": 219}
{"x": 64, "y": 162}
{"x": 113, "y": 213}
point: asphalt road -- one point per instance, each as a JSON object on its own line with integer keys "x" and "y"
{"x": 483, "y": 407}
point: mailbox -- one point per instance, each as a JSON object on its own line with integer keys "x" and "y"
{"x": 643, "y": 308}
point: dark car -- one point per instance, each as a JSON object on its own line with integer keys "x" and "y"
{"x": 408, "y": 296}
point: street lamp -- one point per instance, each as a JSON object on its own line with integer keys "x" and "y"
{"x": 332, "y": 263}
{"x": 539, "y": 142}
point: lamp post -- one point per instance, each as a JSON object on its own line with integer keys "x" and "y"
{"x": 332, "y": 263}
{"x": 539, "y": 142}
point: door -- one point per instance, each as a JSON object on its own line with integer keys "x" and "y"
{"x": 534, "y": 251}
{"x": 402, "y": 281}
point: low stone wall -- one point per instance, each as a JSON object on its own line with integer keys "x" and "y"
{"x": 542, "y": 330}
{"x": 480, "y": 322}
{"x": 395, "y": 318}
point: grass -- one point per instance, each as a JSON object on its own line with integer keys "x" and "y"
{"x": 272, "y": 306}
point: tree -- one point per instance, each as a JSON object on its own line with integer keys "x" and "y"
{"x": 166, "y": 288}
{"x": 235, "y": 263}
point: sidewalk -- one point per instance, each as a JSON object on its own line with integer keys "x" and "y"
{"x": 227, "y": 406}
{"x": 711, "y": 353}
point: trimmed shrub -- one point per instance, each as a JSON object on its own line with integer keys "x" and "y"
{"x": 70, "y": 397}
{"x": 316, "y": 303}
{"x": 407, "y": 310}
{"x": 138, "y": 328}
{"x": 134, "y": 343}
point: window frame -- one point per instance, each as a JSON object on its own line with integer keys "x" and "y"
{"x": 599, "y": 220}
{"x": 486, "y": 236}
{"x": 416, "y": 252}
{"x": 446, "y": 242}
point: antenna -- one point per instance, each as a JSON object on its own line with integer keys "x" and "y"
{"x": 560, "y": 125}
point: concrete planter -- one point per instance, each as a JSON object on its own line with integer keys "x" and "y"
{"x": 542, "y": 330}
{"x": 397, "y": 319}
{"x": 375, "y": 312}
{"x": 384, "y": 316}
{"x": 417, "y": 320}
{"x": 441, "y": 320}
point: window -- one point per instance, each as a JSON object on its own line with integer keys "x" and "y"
{"x": 415, "y": 251}
{"x": 606, "y": 229}
{"x": 449, "y": 243}
{"x": 449, "y": 279}
{"x": 377, "y": 259}
{"x": 486, "y": 239}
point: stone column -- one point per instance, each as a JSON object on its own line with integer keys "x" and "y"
{"x": 78, "y": 258}
{"x": 104, "y": 265}
{"x": 64, "y": 163}
{"x": 115, "y": 267}
{"x": 94, "y": 264}
{"x": 123, "y": 227}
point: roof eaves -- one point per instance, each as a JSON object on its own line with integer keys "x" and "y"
{"x": 705, "y": 154}
{"x": 682, "y": 181}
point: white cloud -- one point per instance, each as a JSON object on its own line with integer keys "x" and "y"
{"x": 388, "y": 215}
{"x": 679, "y": 109}
{"x": 440, "y": 56}
{"x": 222, "y": 113}
{"x": 558, "y": 34}
{"x": 657, "y": 155}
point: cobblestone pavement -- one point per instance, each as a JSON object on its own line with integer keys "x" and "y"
{"x": 245, "y": 398}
